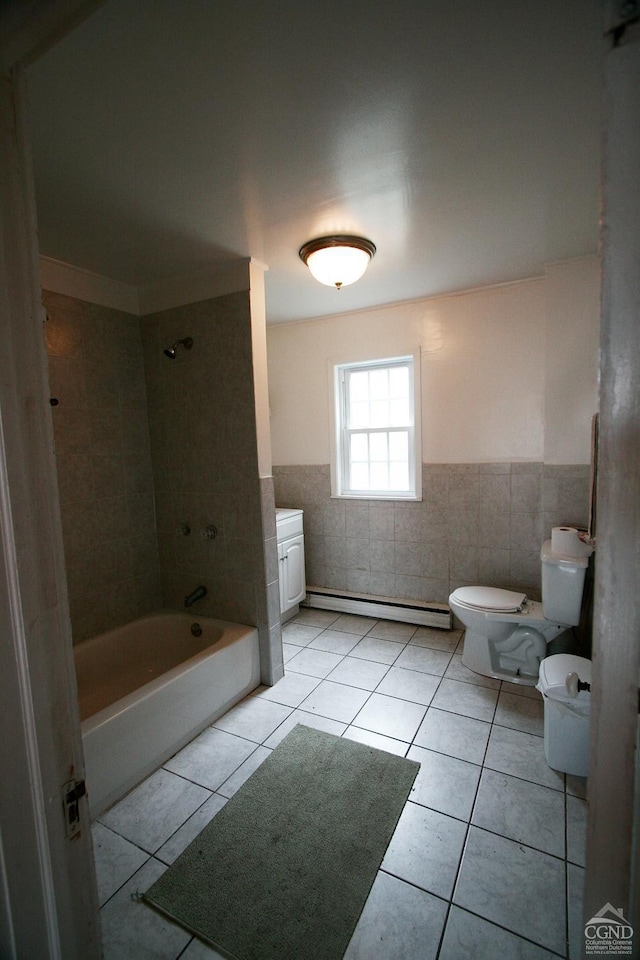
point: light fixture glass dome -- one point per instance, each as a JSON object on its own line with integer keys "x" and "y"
{"x": 339, "y": 260}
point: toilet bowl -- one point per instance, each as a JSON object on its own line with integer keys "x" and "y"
{"x": 507, "y": 634}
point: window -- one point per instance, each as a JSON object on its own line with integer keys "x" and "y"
{"x": 377, "y": 436}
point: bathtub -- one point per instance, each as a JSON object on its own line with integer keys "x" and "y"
{"x": 146, "y": 689}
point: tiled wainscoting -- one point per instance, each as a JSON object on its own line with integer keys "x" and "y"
{"x": 477, "y": 523}
{"x": 487, "y": 859}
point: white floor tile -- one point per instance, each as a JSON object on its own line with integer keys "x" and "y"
{"x": 453, "y": 734}
{"x": 522, "y": 811}
{"x": 290, "y": 691}
{"x": 425, "y": 849}
{"x": 576, "y": 786}
{"x": 316, "y": 618}
{"x": 521, "y": 755}
{"x": 355, "y": 672}
{"x": 500, "y": 880}
{"x": 467, "y": 699}
{"x": 335, "y": 701}
{"x": 352, "y": 623}
{"x": 197, "y": 950}
{"x": 575, "y": 893}
{"x": 457, "y": 671}
{"x": 309, "y": 720}
{"x": 131, "y": 930}
{"x": 211, "y": 758}
{"x": 468, "y": 937}
{"x": 399, "y": 747}
{"x": 152, "y": 812}
{"x": 446, "y": 640}
{"x": 382, "y": 651}
{"x": 314, "y": 663}
{"x": 334, "y": 642}
{"x": 520, "y": 713}
{"x": 391, "y": 717}
{"x": 299, "y": 634}
{"x": 424, "y": 659}
{"x": 390, "y": 630}
{"x": 116, "y": 860}
{"x": 244, "y": 771}
{"x": 289, "y": 651}
{"x": 576, "y": 830}
{"x": 399, "y": 922}
{"x": 336, "y": 680}
{"x": 444, "y": 783}
{"x": 521, "y": 690}
{"x": 253, "y": 718}
{"x": 409, "y": 685}
{"x": 189, "y": 830}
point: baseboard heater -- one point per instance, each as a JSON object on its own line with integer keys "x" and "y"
{"x": 423, "y": 613}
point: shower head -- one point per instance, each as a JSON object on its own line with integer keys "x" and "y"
{"x": 187, "y": 343}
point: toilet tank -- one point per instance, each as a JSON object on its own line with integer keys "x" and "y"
{"x": 562, "y": 585}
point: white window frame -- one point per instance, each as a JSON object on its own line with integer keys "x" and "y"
{"x": 340, "y": 446}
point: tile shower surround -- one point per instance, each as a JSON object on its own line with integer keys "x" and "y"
{"x": 477, "y": 523}
{"x": 103, "y": 460}
{"x": 143, "y": 444}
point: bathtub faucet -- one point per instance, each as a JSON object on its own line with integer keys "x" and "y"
{"x": 197, "y": 594}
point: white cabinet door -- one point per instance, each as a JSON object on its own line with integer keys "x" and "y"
{"x": 292, "y": 578}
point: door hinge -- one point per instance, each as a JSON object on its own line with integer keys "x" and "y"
{"x": 72, "y": 792}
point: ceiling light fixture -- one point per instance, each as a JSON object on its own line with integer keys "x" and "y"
{"x": 339, "y": 260}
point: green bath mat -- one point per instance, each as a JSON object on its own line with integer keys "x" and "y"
{"x": 282, "y": 872}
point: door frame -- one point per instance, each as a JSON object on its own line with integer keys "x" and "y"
{"x": 48, "y": 890}
{"x": 613, "y": 819}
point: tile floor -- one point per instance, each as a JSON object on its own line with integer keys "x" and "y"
{"x": 487, "y": 859}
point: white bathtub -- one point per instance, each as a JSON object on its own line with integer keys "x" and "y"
{"x": 149, "y": 687}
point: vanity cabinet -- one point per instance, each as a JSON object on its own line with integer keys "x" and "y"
{"x": 290, "y": 538}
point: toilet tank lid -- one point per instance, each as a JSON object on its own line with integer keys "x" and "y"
{"x": 491, "y": 598}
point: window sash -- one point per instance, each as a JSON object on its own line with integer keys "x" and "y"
{"x": 351, "y": 472}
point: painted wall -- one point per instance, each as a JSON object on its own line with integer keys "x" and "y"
{"x": 508, "y": 373}
{"x": 509, "y": 386}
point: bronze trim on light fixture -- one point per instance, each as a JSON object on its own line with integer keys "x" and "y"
{"x": 337, "y": 240}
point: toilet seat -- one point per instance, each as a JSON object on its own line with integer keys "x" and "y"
{"x": 490, "y": 599}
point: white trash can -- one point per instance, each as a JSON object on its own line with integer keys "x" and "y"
{"x": 566, "y": 717}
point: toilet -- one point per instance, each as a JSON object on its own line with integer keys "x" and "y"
{"x": 506, "y": 633}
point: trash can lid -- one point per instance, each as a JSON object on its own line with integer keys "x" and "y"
{"x": 553, "y": 676}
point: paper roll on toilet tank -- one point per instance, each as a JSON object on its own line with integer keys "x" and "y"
{"x": 566, "y": 540}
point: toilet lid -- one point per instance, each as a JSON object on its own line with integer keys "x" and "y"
{"x": 491, "y": 598}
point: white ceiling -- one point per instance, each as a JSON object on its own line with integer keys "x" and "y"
{"x": 461, "y": 137}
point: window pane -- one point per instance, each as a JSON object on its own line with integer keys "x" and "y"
{"x": 359, "y": 476}
{"x": 359, "y": 447}
{"x": 399, "y": 445}
{"x": 379, "y": 384}
{"x": 398, "y": 413}
{"x": 399, "y": 382}
{"x": 379, "y": 476}
{"x": 379, "y": 413}
{"x": 398, "y": 476}
{"x": 378, "y": 447}
{"x": 358, "y": 415}
{"x": 359, "y": 386}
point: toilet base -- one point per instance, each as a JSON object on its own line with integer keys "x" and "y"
{"x": 516, "y": 658}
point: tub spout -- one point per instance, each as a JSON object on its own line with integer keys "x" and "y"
{"x": 197, "y": 594}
